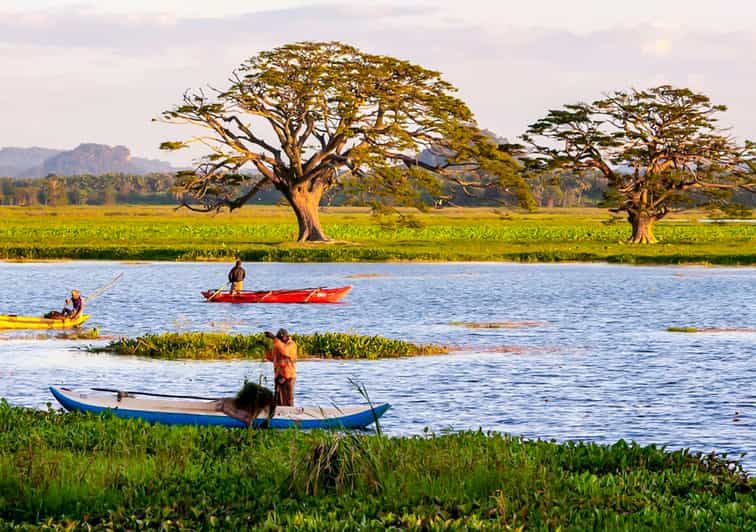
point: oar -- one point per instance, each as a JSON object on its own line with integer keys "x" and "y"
{"x": 97, "y": 293}
{"x": 266, "y": 295}
{"x": 157, "y": 394}
{"x": 215, "y": 294}
{"x": 314, "y": 291}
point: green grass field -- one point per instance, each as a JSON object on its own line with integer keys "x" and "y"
{"x": 266, "y": 234}
{"x": 76, "y": 472}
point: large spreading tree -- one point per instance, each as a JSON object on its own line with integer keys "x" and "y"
{"x": 307, "y": 117}
{"x": 659, "y": 149}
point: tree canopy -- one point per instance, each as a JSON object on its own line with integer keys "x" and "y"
{"x": 659, "y": 148}
{"x": 311, "y": 116}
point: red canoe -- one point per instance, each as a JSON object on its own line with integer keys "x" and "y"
{"x": 300, "y": 295}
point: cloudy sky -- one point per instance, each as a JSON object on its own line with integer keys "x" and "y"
{"x": 78, "y": 71}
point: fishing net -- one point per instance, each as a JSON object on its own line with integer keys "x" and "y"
{"x": 254, "y": 399}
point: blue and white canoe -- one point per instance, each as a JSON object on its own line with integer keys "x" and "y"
{"x": 205, "y": 412}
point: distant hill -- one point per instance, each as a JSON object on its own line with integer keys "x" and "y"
{"x": 85, "y": 159}
{"x": 15, "y": 162}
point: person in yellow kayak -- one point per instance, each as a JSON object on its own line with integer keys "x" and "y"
{"x": 236, "y": 277}
{"x": 284, "y": 358}
{"x": 76, "y": 310}
{"x": 77, "y": 306}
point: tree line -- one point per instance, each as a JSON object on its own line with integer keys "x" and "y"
{"x": 107, "y": 189}
{"x": 158, "y": 189}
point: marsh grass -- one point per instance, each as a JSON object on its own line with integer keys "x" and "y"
{"x": 336, "y": 464}
{"x": 267, "y": 234}
{"x": 76, "y": 471}
{"x": 205, "y": 346}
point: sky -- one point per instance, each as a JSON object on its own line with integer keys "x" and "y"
{"x": 79, "y": 71}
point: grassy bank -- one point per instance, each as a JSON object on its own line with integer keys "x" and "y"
{"x": 209, "y": 346}
{"x": 74, "y": 471}
{"x": 266, "y": 234}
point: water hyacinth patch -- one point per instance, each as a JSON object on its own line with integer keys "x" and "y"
{"x": 75, "y": 471}
{"x": 207, "y": 346}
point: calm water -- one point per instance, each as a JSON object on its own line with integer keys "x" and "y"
{"x": 601, "y": 367}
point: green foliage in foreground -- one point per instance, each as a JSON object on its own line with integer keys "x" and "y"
{"x": 264, "y": 234}
{"x": 74, "y": 471}
{"x": 198, "y": 345}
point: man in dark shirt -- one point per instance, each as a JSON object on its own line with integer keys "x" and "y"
{"x": 236, "y": 277}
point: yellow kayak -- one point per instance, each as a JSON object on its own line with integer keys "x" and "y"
{"x": 33, "y": 322}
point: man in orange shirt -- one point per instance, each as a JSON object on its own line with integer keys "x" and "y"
{"x": 284, "y": 358}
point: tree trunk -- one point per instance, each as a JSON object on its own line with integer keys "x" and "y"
{"x": 643, "y": 225}
{"x": 305, "y": 200}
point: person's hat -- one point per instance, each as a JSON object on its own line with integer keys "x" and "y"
{"x": 282, "y": 333}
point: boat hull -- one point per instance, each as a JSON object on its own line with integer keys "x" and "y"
{"x": 204, "y": 413}
{"x": 300, "y": 295}
{"x": 33, "y": 322}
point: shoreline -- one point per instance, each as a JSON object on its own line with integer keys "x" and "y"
{"x": 298, "y": 260}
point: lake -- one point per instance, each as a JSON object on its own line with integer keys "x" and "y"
{"x": 596, "y": 363}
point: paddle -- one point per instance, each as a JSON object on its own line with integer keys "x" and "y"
{"x": 314, "y": 291}
{"x": 215, "y": 294}
{"x": 266, "y": 295}
{"x": 97, "y": 293}
{"x": 112, "y": 390}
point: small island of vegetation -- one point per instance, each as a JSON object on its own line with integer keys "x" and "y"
{"x": 209, "y": 346}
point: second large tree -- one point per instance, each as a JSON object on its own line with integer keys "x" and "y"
{"x": 658, "y": 148}
{"x": 309, "y": 116}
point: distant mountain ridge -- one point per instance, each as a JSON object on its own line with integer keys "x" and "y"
{"x": 89, "y": 158}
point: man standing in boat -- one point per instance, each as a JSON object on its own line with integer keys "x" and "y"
{"x": 284, "y": 358}
{"x": 236, "y": 277}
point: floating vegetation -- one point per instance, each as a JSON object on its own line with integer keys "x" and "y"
{"x": 498, "y": 324}
{"x": 712, "y": 329}
{"x": 207, "y": 346}
{"x": 71, "y": 471}
{"x": 72, "y": 334}
{"x": 510, "y": 349}
{"x": 79, "y": 334}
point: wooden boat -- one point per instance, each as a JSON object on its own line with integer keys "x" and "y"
{"x": 205, "y": 413}
{"x": 300, "y": 295}
{"x": 34, "y": 322}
